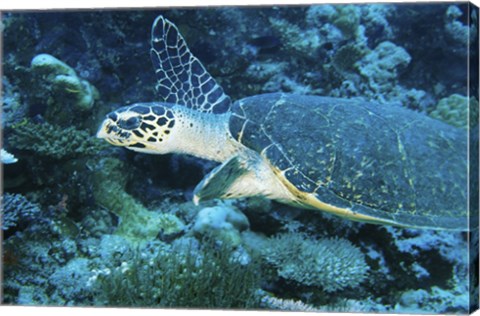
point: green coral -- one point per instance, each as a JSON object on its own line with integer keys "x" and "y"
{"x": 137, "y": 223}
{"x": 53, "y": 141}
{"x": 333, "y": 264}
{"x": 181, "y": 276}
{"x": 454, "y": 109}
{"x": 382, "y": 66}
{"x": 297, "y": 41}
{"x": 346, "y": 57}
{"x": 67, "y": 87}
{"x": 347, "y": 19}
{"x": 66, "y": 97}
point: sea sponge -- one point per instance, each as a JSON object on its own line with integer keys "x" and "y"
{"x": 331, "y": 263}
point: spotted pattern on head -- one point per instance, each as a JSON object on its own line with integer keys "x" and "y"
{"x": 137, "y": 125}
{"x": 181, "y": 78}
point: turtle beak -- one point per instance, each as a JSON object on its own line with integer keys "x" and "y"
{"x": 102, "y": 131}
{"x": 105, "y": 132}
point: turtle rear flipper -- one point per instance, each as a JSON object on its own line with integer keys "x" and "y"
{"x": 181, "y": 77}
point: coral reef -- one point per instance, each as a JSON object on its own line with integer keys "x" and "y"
{"x": 454, "y": 110}
{"x": 137, "y": 223}
{"x": 274, "y": 303}
{"x": 222, "y": 222}
{"x": 333, "y": 264}
{"x": 59, "y": 94}
{"x": 437, "y": 300}
{"x": 13, "y": 109}
{"x": 207, "y": 278}
{"x": 69, "y": 92}
{"x": 347, "y": 19}
{"x": 52, "y": 141}
{"x": 381, "y": 67}
{"x": 458, "y": 33}
{"x": 298, "y": 42}
{"x": 17, "y": 210}
{"x": 70, "y": 282}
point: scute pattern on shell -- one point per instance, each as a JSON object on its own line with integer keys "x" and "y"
{"x": 377, "y": 160}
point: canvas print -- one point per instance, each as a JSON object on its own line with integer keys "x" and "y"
{"x": 297, "y": 158}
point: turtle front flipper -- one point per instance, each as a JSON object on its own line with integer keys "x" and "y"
{"x": 181, "y": 77}
{"x": 220, "y": 181}
{"x": 244, "y": 175}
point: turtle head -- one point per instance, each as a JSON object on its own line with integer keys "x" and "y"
{"x": 142, "y": 127}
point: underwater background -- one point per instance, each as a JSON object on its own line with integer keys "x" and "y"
{"x": 88, "y": 224}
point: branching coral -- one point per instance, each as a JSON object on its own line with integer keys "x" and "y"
{"x": 181, "y": 276}
{"x": 274, "y": 303}
{"x": 52, "y": 141}
{"x": 333, "y": 264}
{"x": 16, "y": 209}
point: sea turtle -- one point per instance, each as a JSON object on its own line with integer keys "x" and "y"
{"x": 363, "y": 161}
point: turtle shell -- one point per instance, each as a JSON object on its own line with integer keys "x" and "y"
{"x": 362, "y": 160}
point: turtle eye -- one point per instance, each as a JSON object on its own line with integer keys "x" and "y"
{"x": 113, "y": 116}
{"x": 130, "y": 123}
